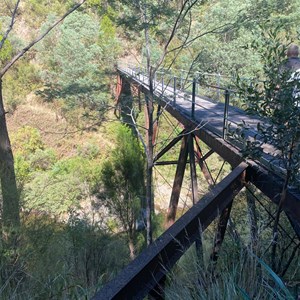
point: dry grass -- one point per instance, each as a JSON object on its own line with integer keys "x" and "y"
{"x": 55, "y": 131}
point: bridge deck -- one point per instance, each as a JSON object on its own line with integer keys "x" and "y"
{"x": 208, "y": 111}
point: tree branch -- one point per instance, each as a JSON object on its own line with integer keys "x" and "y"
{"x": 35, "y": 41}
{"x": 185, "y": 41}
{"x": 10, "y": 27}
{"x": 138, "y": 133}
{"x": 179, "y": 19}
{"x": 215, "y": 30}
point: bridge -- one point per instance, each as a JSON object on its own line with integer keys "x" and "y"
{"x": 207, "y": 120}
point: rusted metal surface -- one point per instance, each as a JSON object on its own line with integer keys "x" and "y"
{"x": 169, "y": 146}
{"x": 118, "y": 88}
{"x": 193, "y": 174}
{"x": 142, "y": 275}
{"x": 171, "y": 215}
{"x": 193, "y": 169}
{"x": 220, "y": 234}
{"x": 202, "y": 164}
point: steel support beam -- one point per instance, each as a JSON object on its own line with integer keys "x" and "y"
{"x": 221, "y": 230}
{"x": 203, "y": 167}
{"x": 169, "y": 146}
{"x": 142, "y": 275}
{"x": 271, "y": 186}
{"x": 193, "y": 173}
{"x": 178, "y": 181}
{"x": 193, "y": 169}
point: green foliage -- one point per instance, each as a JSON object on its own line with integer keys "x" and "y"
{"x": 27, "y": 140}
{"x": 61, "y": 188}
{"x": 227, "y": 27}
{"x": 30, "y": 153}
{"x": 157, "y": 17}
{"x": 42, "y": 159}
{"x": 38, "y": 10}
{"x": 235, "y": 277}
{"x": 6, "y": 50}
{"x": 54, "y": 194}
{"x": 18, "y": 83}
{"x": 109, "y": 43}
{"x": 273, "y": 97}
{"x": 280, "y": 290}
{"x": 122, "y": 177}
{"x": 88, "y": 150}
{"x": 73, "y": 58}
{"x": 85, "y": 169}
{"x": 60, "y": 260}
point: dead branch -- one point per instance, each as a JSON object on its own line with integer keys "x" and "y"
{"x": 179, "y": 19}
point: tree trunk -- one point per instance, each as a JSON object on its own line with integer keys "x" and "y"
{"x": 131, "y": 248}
{"x": 149, "y": 196}
{"x": 252, "y": 216}
{"x": 10, "y": 193}
{"x": 149, "y": 103}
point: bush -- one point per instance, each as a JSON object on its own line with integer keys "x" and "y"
{"x": 60, "y": 260}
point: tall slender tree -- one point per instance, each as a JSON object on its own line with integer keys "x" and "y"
{"x": 173, "y": 36}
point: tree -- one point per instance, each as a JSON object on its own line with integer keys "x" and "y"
{"x": 72, "y": 59}
{"x": 175, "y": 34}
{"x": 10, "y": 193}
{"x": 274, "y": 97}
{"x": 123, "y": 183}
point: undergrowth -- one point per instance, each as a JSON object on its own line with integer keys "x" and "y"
{"x": 240, "y": 275}
{"x": 56, "y": 260}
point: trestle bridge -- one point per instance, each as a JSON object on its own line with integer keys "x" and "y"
{"x": 208, "y": 120}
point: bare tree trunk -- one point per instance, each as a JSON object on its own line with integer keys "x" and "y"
{"x": 149, "y": 104}
{"x": 131, "y": 248}
{"x": 149, "y": 195}
{"x": 10, "y": 194}
{"x": 252, "y": 216}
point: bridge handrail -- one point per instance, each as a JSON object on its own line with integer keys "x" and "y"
{"x": 139, "y": 72}
{"x": 142, "y": 69}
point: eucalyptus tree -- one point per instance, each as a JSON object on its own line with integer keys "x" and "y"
{"x": 227, "y": 52}
{"x": 149, "y": 21}
{"x": 10, "y": 194}
{"x": 166, "y": 28}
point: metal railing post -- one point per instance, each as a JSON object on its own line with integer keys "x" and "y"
{"x": 218, "y": 84}
{"x": 174, "y": 90}
{"x": 181, "y": 80}
{"x": 162, "y": 83}
{"x": 193, "y": 98}
{"x": 225, "y": 121}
